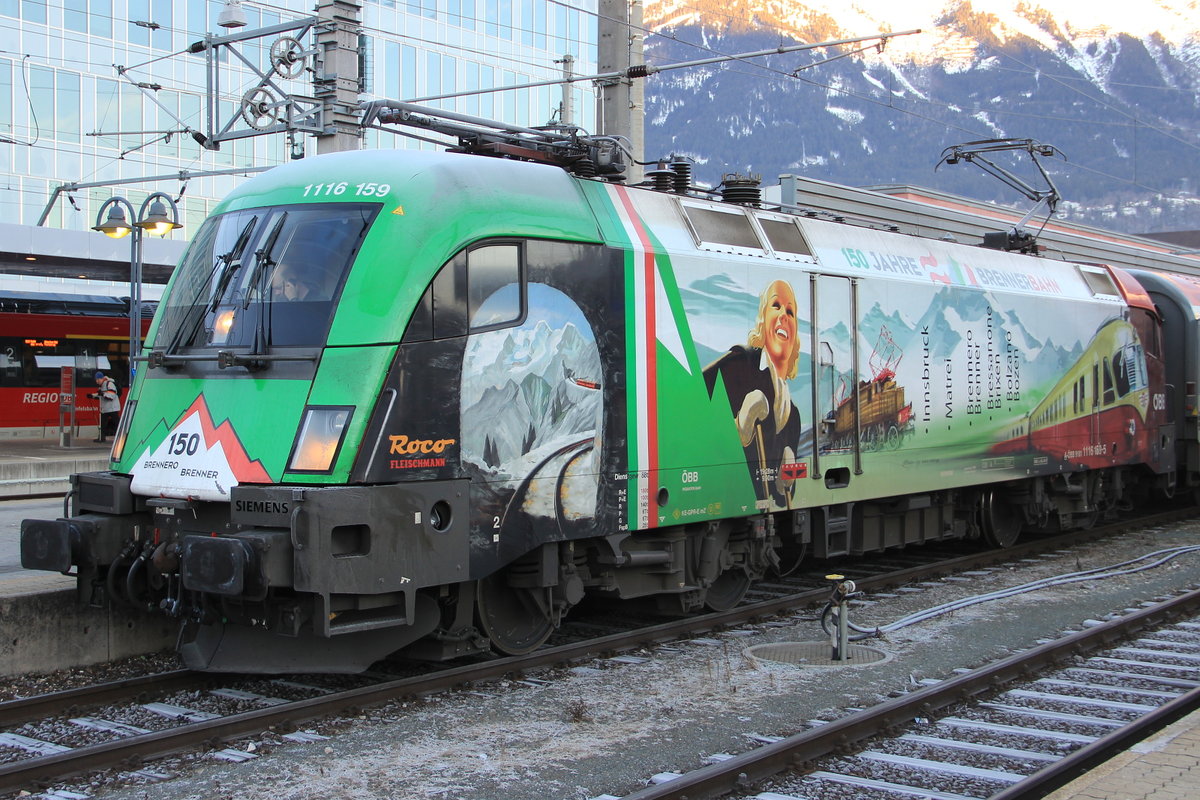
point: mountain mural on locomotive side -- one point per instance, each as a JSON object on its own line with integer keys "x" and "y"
{"x": 532, "y": 406}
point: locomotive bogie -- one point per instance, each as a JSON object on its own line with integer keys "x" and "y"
{"x": 439, "y": 418}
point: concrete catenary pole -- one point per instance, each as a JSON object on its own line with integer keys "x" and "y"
{"x": 337, "y": 82}
{"x": 566, "y": 109}
{"x": 637, "y": 92}
{"x": 621, "y": 101}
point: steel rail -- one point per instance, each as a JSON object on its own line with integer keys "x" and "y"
{"x": 1070, "y": 767}
{"x": 983, "y": 558}
{"x": 135, "y": 750}
{"x": 25, "y": 709}
{"x": 798, "y": 751}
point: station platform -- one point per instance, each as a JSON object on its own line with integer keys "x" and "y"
{"x": 32, "y": 466}
{"x": 1165, "y": 766}
{"x": 42, "y": 625}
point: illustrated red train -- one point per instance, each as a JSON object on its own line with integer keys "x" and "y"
{"x": 40, "y": 332}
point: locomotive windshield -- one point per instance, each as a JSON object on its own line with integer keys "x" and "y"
{"x": 1129, "y": 369}
{"x": 263, "y": 277}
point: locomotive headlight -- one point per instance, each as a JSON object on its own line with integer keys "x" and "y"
{"x": 122, "y": 431}
{"x": 322, "y": 430}
{"x": 221, "y": 327}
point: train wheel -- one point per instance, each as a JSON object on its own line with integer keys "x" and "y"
{"x": 727, "y": 590}
{"x": 893, "y": 437}
{"x": 517, "y": 619}
{"x": 1001, "y": 521}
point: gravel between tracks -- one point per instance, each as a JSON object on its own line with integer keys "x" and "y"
{"x": 606, "y": 727}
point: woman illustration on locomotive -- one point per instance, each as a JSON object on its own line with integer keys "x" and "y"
{"x": 755, "y": 378}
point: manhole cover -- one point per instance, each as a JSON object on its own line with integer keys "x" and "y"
{"x": 815, "y": 654}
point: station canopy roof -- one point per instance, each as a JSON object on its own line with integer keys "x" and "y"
{"x": 59, "y": 253}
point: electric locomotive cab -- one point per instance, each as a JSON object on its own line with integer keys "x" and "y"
{"x": 241, "y": 402}
{"x": 290, "y": 480}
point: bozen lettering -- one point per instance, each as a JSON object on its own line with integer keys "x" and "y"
{"x": 402, "y": 445}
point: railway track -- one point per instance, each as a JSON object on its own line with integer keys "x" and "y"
{"x": 250, "y": 706}
{"x": 1017, "y": 728}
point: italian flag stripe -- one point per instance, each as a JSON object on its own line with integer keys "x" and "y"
{"x": 645, "y": 371}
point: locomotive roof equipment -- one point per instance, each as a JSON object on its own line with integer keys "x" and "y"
{"x": 1016, "y": 238}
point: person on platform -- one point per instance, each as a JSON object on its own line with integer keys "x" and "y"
{"x": 755, "y": 378}
{"x": 110, "y": 405}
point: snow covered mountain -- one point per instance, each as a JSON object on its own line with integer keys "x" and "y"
{"x": 1114, "y": 87}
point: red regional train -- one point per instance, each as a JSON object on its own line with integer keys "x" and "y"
{"x": 40, "y": 332}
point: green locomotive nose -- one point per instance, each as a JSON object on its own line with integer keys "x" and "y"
{"x": 236, "y": 355}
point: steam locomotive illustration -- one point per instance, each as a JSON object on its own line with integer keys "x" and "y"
{"x": 427, "y": 402}
{"x": 876, "y": 415}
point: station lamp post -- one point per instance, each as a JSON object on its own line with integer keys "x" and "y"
{"x": 153, "y": 218}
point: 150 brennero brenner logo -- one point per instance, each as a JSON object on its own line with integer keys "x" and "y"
{"x": 196, "y": 459}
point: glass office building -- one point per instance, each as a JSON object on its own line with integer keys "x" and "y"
{"x": 101, "y": 90}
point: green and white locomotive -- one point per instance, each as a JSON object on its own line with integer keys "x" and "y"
{"x": 427, "y": 402}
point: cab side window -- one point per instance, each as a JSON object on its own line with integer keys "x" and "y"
{"x": 494, "y": 296}
{"x": 1151, "y": 332}
{"x": 479, "y": 289}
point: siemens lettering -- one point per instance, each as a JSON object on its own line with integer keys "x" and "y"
{"x": 262, "y": 506}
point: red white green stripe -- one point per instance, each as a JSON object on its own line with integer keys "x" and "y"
{"x": 643, "y": 311}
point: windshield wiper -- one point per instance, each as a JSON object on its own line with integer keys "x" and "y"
{"x": 262, "y": 335}
{"x": 263, "y": 260}
{"x": 232, "y": 261}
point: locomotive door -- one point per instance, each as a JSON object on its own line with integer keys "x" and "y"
{"x": 837, "y": 437}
